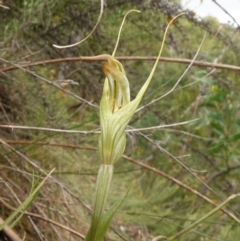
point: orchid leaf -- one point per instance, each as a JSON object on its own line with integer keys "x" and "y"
{"x": 107, "y": 217}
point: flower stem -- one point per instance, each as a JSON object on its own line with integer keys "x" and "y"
{"x": 104, "y": 178}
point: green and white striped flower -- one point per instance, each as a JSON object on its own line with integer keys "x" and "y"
{"x": 116, "y": 110}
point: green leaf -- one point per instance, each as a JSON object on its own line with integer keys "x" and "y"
{"x": 103, "y": 183}
{"x": 218, "y": 128}
{"x": 25, "y": 204}
{"x": 235, "y": 137}
{"x": 107, "y": 217}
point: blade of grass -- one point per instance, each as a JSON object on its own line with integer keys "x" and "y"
{"x": 25, "y": 204}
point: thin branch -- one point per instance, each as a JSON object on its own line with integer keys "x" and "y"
{"x": 9, "y": 232}
{"x": 3, "y": 6}
{"x": 50, "y": 129}
{"x": 26, "y": 142}
{"x": 220, "y": 6}
{"x": 96, "y": 131}
{"x": 221, "y": 172}
{"x": 179, "y": 183}
{"x": 122, "y": 58}
{"x": 189, "y": 134}
{"x": 186, "y": 168}
{"x": 151, "y": 128}
{"x": 76, "y": 97}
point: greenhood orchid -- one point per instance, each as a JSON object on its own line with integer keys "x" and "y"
{"x": 116, "y": 110}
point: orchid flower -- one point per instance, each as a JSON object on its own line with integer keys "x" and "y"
{"x": 116, "y": 110}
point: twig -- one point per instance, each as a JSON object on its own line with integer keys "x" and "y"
{"x": 96, "y": 131}
{"x": 49, "y": 129}
{"x": 122, "y": 58}
{"x": 220, "y": 6}
{"x": 186, "y": 168}
{"x": 221, "y": 172}
{"x": 26, "y": 142}
{"x": 160, "y": 126}
{"x": 179, "y": 183}
{"x": 9, "y": 232}
{"x": 3, "y": 6}
{"x": 76, "y": 97}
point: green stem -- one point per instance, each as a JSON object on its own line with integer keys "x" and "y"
{"x": 104, "y": 178}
